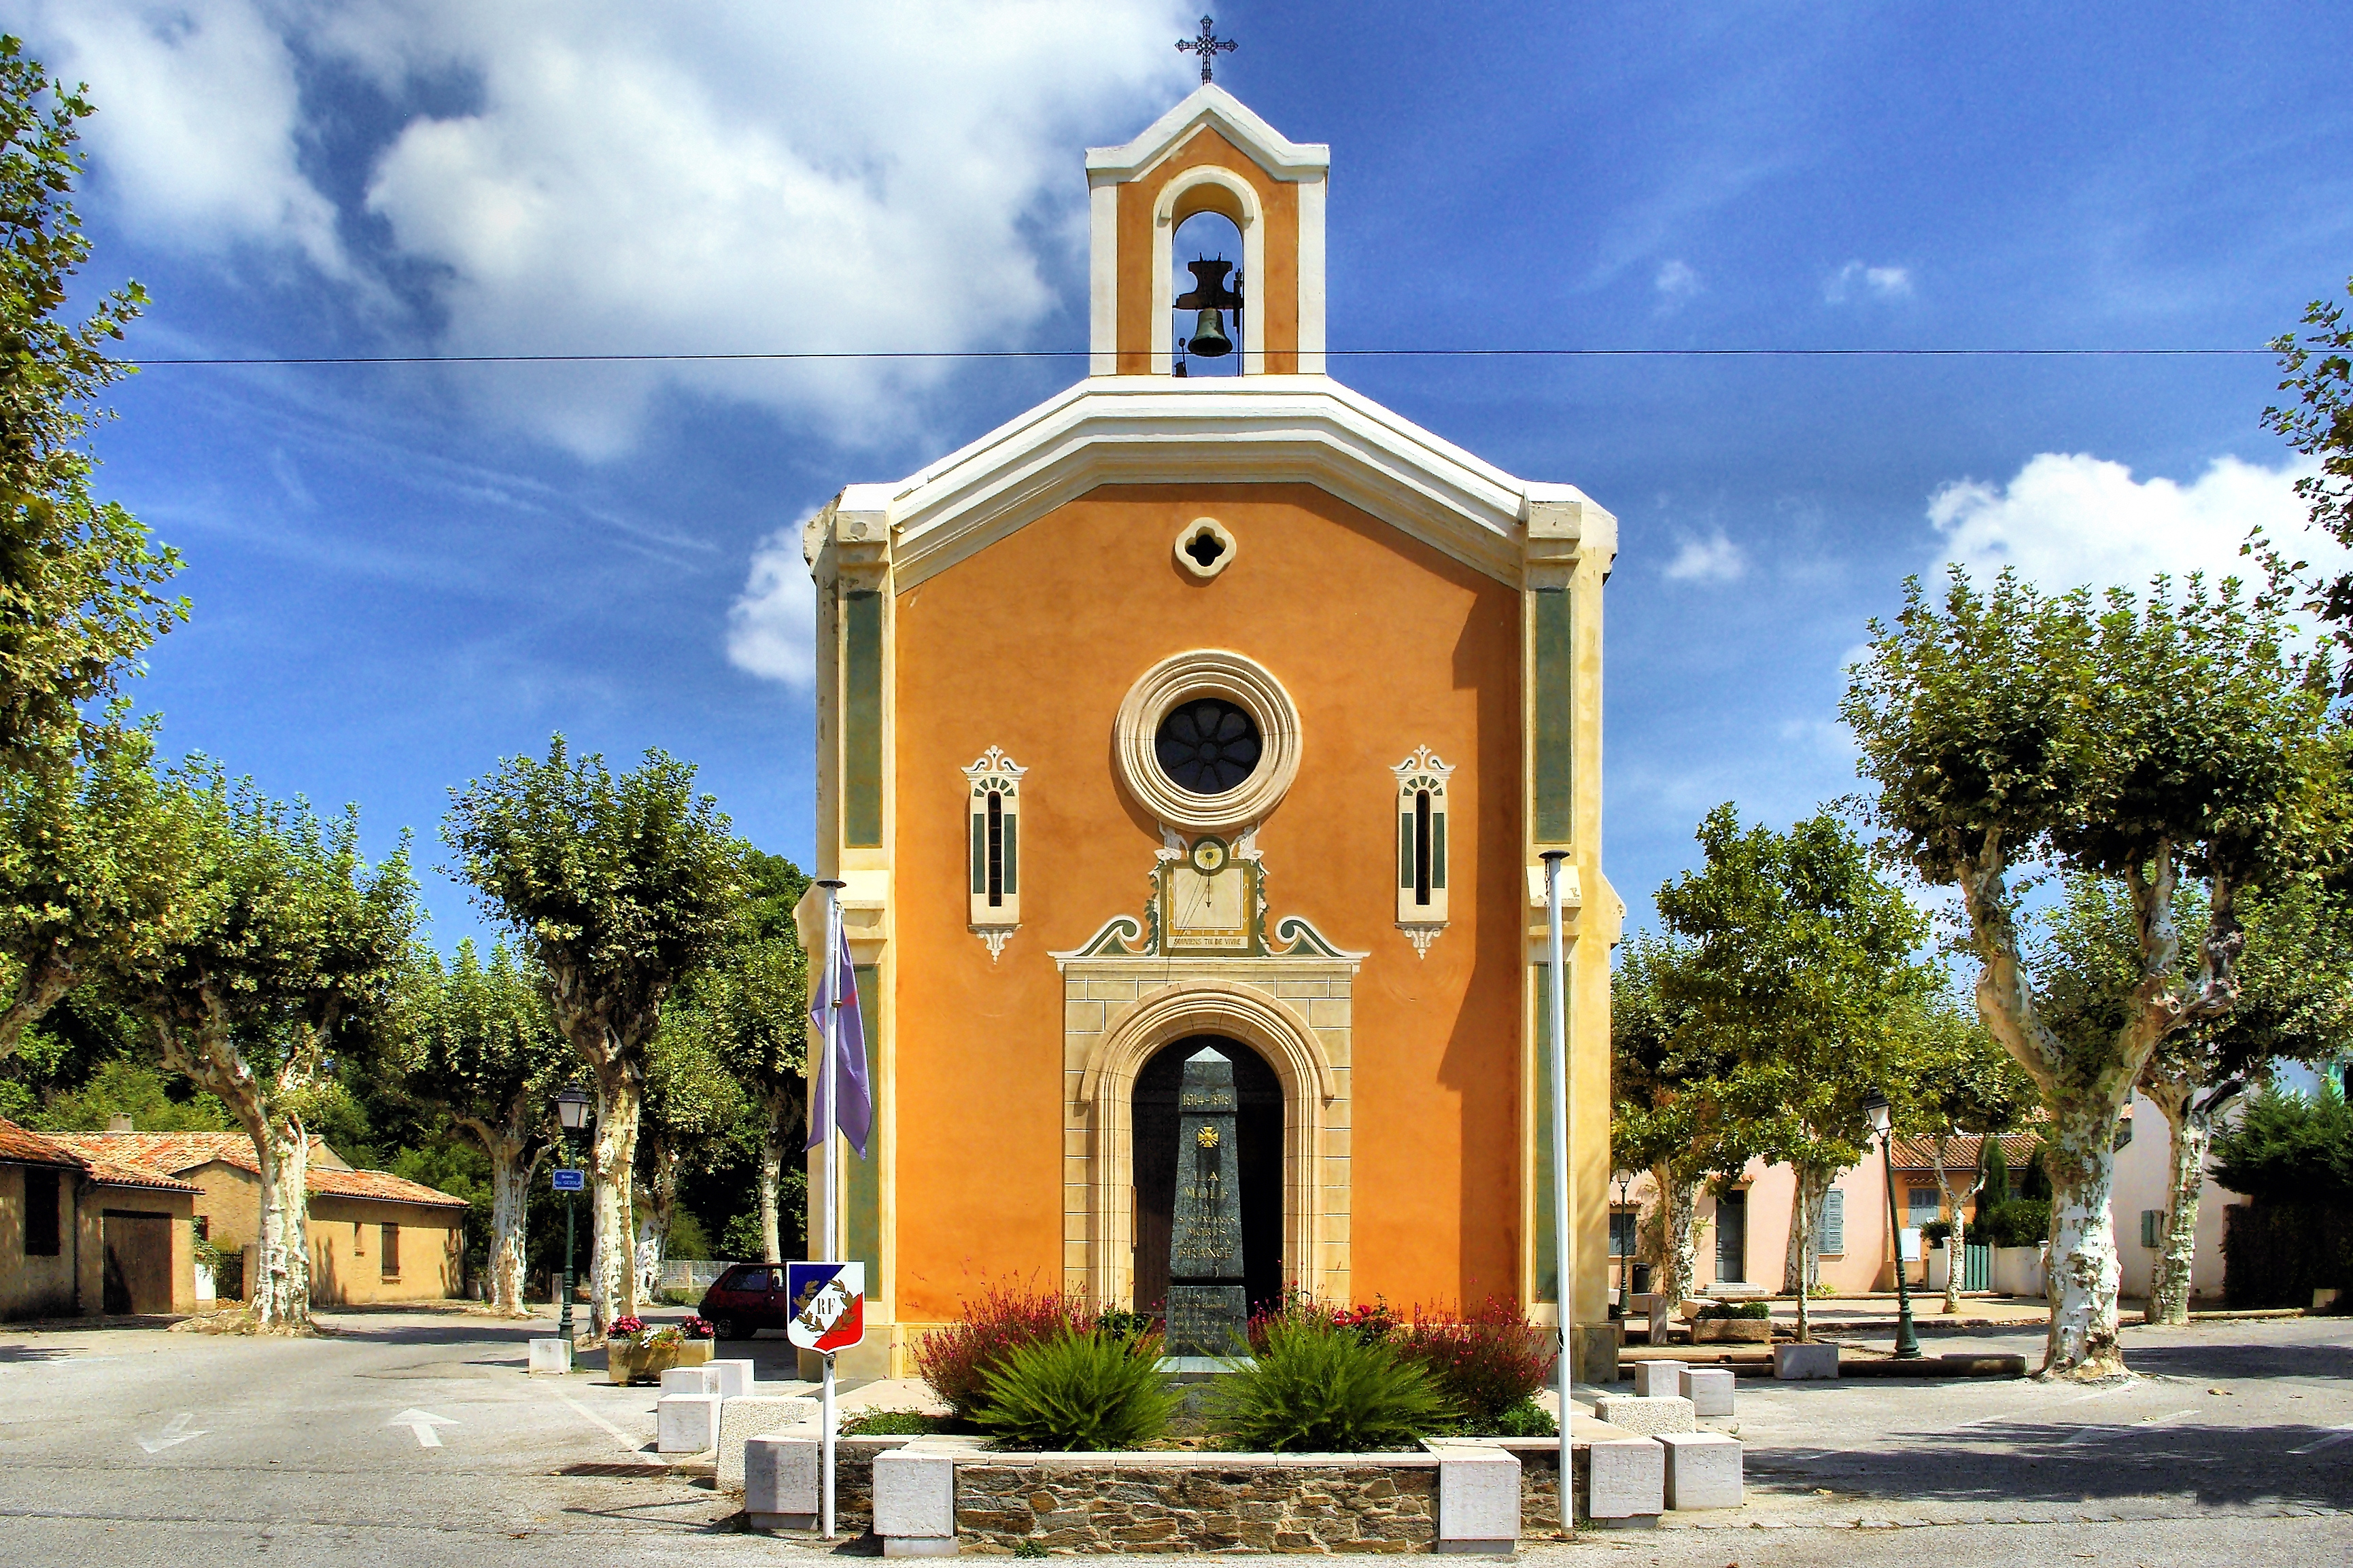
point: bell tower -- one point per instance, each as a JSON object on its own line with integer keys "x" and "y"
{"x": 1209, "y": 153}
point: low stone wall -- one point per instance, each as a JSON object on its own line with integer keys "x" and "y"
{"x": 1198, "y": 1505}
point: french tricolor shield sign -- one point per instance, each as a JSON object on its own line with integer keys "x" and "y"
{"x": 828, "y": 1305}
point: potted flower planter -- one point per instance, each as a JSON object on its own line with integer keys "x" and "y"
{"x": 630, "y": 1363}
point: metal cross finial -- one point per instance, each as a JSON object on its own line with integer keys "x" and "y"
{"x": 1208, "y": 45}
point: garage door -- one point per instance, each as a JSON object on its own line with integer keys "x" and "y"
{"x": 138, "y": 1261}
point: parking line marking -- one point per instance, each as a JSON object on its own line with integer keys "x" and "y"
{"x": 2340, "y": 1435}
{"x": 627, "y": 1443}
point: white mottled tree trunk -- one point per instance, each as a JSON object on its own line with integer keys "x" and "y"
{"x": 772, "y": 1175}
{"x": 2191, "y": 1133}
{"x": 514, "y": 1153}
{"x": 613, "y": 1285}
{"x": 1679, "y": 1264}
{"x": 1956, "y": 1201}
{"x": 281, "y": 1289}
{"x": 2081, "y": 1159}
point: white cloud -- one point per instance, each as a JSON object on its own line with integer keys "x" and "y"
{"x": 708, "y": 178}
{"x": 2068, "y": 520}
{"x": 772, "y": 626}
{"x": 1714, "y": 558}
{"x": 1677, "y": 280}
{"x": 199, "y": 135}
{"x": 1880, "y": 282}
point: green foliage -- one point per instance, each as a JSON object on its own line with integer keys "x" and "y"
{"x": 2289, "y": 1148}
{"x": 133, "y": 1089}
{"x": 895, "y": 1423}
{"x": 92, "y": 852}
{"x": 79, "y": 577}
{"x": 956, "y": 1362}
{"x": 1996, "y": 1169}
{"x": 479, "y": 1042}
{"x": 1316, "y": 1388}
{"x": 1525, "y": 1419}
{"x": 1665, "y": 1078}
{"x": 2318, "y": 371}
{"x": 618, "y": 887}
{"x": 1079, "y": 1392}
{"x": 2014, "y": 1222}
{"x": 1796, "y": 983}
{"x": 1737, "y": 1312}
{"x": 741, "y": 1238}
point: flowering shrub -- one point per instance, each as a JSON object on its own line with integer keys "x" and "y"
{"x": 1369, "y": 1325}
{"x": 955, "y": 1362}
{"x": 696, "y": 1328}
{"x": 624, "y": 1328}
{"x": 1485, "y": 1361}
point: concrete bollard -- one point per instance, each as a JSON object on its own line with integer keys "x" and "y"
{"x": 914, "y": 1502}
{"x": 1649, "y": 1416}
{"x": 686, "y": 1423}
{"x": 551, "y": 1356}
{"x": 691, "y": 1380}
{"x": 1652, "y": 1378}
{"x": 781, "y": 1479}
{"x": 1804, "y": 1363}
{"x": 756, "y": 1415}
{"x": 735, "y": 1379}
{"x": 1709, "y": 1389}
{"x": 1625, "y": 1480}
{"x": 1478, "y": 1499}
{"x": 1702, "y": 1469}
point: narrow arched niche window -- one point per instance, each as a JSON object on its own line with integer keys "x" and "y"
{"x": 1422, "y": 789}
{"x": 993, "y": 821}
{"x": 1207, "y": 291}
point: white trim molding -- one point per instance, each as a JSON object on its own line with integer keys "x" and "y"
{"x": 1421, "y": 847}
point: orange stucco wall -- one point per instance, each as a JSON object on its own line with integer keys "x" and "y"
{"x": 1276, "y": 293}
{"x": 1383, "y": 645}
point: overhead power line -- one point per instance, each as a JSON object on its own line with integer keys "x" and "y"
{"x": 1082, "y": 353}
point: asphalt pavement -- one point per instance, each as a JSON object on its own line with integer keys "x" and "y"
{"x": 415, "y": 1437}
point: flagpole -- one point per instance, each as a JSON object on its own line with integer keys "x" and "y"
{"x": 827, "y": 1091}
{"x": 1556, "y": 1044}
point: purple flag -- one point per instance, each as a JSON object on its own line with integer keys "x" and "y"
{"x": 853, "y": 1107}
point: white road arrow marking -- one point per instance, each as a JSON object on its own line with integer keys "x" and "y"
{"x": 175, "y": 1431}
{"x": 422, "y": 1423}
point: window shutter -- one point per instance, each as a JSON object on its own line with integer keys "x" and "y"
{"x": 979, "y": 821}
{"x": 1834, "y": 1221}
{"x": 1012, "y": 859}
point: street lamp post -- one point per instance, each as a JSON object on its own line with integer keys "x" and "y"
{"x": 572, "y": 1114}
{"x": 1907, "y": 1344}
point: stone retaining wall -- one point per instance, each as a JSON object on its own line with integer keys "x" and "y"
{"x": 1199, "y": 1506}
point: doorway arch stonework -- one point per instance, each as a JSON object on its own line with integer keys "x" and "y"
{"x": 1117, "y": 1011}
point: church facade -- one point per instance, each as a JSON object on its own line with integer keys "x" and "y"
{"x": 1229, "y": 713}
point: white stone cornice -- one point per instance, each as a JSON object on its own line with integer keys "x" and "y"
{"x": 1211, "y": 105}
{"x": 1234, "y": 430}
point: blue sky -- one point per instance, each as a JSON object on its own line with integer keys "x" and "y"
{"x": 401, "y": 574}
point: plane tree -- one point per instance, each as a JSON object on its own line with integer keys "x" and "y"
{"x": 617, "y": 887}
{"x": 479, "y": 1043}
{"x": 2148, "y": 739}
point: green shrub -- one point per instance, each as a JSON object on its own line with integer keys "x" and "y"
{"x": 1525, "y": 1419}
{"x": 894, "y": 1424}
{"x": 1715, "y": 1310}
{"x": 2015, "y": 1221}
{"x": 2290, "y": 1148}
{"x": 1079, "y": 1392}
{"x": 1318, "y": 1388}
{"x": 1937, "y": 1232}
{"x": 955, "y": 1362}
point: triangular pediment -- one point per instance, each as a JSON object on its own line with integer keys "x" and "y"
{"x": 1296, "y": 429}
{"x": 1213, "y": 106}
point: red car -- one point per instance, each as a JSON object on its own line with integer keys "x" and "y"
{"x": 747, "y": 1298}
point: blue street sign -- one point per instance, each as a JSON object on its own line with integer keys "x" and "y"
{"x": 571, "y": 1181}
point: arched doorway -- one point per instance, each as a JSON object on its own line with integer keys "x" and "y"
{"x": 1258, "y": 1128}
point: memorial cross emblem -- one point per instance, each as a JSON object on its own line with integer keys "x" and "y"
{"x": 828, "y": 1305}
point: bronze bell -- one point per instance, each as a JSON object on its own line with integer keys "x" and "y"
{"x": 1210, "y": 340}
{"x": 1211, "y": 298}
